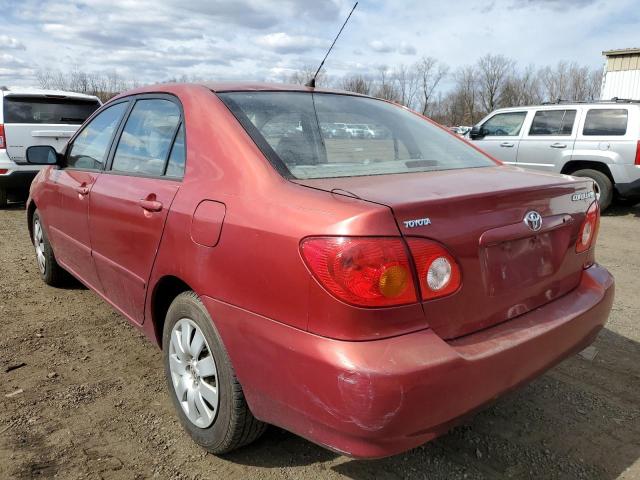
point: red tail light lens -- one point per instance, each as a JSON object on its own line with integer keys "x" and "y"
{"x": 3, "y": 143}
{"x": 438, "y": 272}
{"x": 362, "y": 271}
{"x": 589, "y": 228}
{"x": 638, "y": 153}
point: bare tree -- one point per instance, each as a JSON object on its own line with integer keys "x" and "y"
{"x": 493, "y": 71}
{"x": 521, "y": 88}
{"x": 430, "y": 73}
{"x": 467, "y": 92}
{"x": 385, "y": 87}
{"x": 306, "y": 73}
{"x": 406, "y": 81}
{"x": 357, "y": 84}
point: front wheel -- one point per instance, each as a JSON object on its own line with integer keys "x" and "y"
{"x": 604, "y": 187}
{"x": 50, "y": 272}
{"x": 203, "y": 386}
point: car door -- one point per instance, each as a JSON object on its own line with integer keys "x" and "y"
{"x": 131, "y": 199}
{"x": 501, "y": 135}
{"x": 549, "y": 138}
{"x": 67, "y": 214}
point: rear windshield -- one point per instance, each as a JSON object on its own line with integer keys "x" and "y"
{"x": 47, "y": 110}
{"x": 326, "y": 135}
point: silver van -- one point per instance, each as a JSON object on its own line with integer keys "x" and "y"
{"x": 596, "y": 140}
{"x": 35, "y": 117}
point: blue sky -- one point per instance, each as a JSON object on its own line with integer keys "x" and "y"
{"x": 153, "y": 40}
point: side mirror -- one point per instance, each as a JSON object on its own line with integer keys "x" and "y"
{"x": 476, "y": 132}
{"x": 42, "y": 155}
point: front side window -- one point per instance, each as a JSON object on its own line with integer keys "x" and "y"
{"x": 89, "y": 149}
{"x": 552, "y": 122}
{"x": 504, "y": 124}
{"x": 326, "y": 135}
{"x": 606, "y": 121}
{"x": 144, "y": 145}
{"x": 30, "y": 109}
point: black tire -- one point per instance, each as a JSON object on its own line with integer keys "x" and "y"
{"x": 52, "y": 274}
{"x": 234, "y": 425}
{"x": 604, "y": 185}
{"x": 3, "y": 198}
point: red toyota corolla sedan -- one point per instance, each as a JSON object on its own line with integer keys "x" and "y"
{"x": 329, "y": 263}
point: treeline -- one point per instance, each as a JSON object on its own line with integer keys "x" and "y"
{"x": 102, "y": 85}
{"x": 463, "y": 96}
{"x": 452, "y": 97}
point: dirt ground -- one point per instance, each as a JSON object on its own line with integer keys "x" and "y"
{"x": 91, "y": 400}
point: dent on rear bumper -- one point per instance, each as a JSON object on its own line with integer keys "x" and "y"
{"x": 377, "y": 398}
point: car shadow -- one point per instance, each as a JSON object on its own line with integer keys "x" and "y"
{"x": 579, "y": 420}
{"x": 14, "y": 206}
{"x": 620, "y": 210}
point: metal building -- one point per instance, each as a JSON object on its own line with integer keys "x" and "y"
{"x": 621, "y": 74}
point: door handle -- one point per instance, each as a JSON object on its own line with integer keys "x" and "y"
{"x": 150, "y": 205}
{"x": 507, "y": 144}
{"x": 558, "y": 145}
{"x": 82, "y": 190}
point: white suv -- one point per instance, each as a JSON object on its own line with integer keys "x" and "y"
{"x": 35, "y": 117}
{"x": 596, "y": 140}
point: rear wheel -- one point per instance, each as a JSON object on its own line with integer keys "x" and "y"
{"x": 604, "y": 187}
{"x": 203, "y": 386}
{"x": 3, "y": 198}
{"x": 50, "y": 272}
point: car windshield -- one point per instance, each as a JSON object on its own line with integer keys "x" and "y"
{"x": 325, "y": 135}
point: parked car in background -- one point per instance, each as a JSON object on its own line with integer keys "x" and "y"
{"x": 362, "y": 293}
{"x": 599, "y": 140}
{"x": 35, "y": 117}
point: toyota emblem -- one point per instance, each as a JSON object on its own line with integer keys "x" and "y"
{"x": 533, "y": 220}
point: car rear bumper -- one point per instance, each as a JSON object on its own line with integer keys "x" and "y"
{"x": 378, "y": 398}
{"x": 17, "y": 179}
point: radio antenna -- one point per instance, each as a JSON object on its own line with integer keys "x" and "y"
{"x": 312, "y": 83}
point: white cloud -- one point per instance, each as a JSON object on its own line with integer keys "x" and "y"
{"x": 9, "y": 42}
{"x": 153, "y": 40}
{"x": 284, "y": 43}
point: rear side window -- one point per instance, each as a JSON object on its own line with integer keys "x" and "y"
{"x": 47, "y": 110}
{"x": 504, "y": 124}
{"x": 609, "y": 121}
{"x": 146, "y": 138}
{"x": 175, "y": 166}
{"x": 89, "y": 148}
{"x": 553, "y": 122}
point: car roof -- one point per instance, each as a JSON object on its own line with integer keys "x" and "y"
{"x": 220, "y": 87}
{"x": 37, "y": 92}
{"x": 562, "y": 105}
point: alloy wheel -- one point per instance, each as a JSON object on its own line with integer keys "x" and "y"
{"x": 194, "y": 373}
{"x": 38, "y": 241}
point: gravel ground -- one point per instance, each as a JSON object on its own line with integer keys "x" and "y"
{"x": 87, "y": 397}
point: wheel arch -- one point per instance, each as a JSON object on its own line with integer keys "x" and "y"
{"x": 31, "y": 210}
{"x": 165, "y": 291}
{"x": 575, "y": 165}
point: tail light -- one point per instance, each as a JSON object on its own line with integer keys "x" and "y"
{"x": 3, "y": 143}
{"x": 589, "y": 228}
{"x": 362, "y": 271}
{"x": 638, "y": 153}
{"x": 438, "y": 272}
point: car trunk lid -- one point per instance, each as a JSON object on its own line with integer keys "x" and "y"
{"x": 478, "y": 215}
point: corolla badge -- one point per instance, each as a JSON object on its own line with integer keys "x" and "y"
{"x": 533, "y": 220}
{"x": 417, "y": 222}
